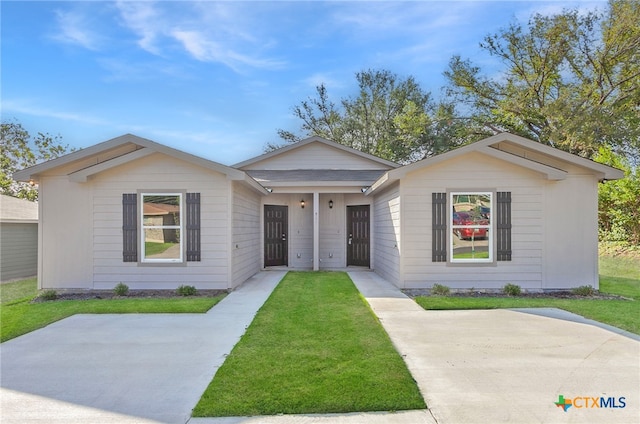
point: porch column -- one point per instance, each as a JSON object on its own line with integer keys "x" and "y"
{"x": 316, "y": 231}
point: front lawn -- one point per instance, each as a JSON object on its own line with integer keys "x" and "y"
{"x": 18, "y": 316}
{"x": 618, "y": 275}
{"x": 314, "y": 347}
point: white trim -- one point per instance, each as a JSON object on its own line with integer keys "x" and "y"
{"x": 551, "y": 173}
{"x": 314, "y": 139}
{"x": 316, "y": 231}
{"x": 180, "y": 227}
{"x": 490, "y": 227}
{"x": 83, "y": 175}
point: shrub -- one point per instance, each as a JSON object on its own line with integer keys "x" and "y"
{"x": 186, "y": 290}
{"x": 584, "y": 291}
{"x": 512, "y": 290}
{"x": 121, "y": 289}
{"x": 48, "y": 295}
{"x": 439, "y": 290}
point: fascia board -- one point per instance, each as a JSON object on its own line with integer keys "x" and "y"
{"x": 551, "y": 172}
{"x": 601, "y": 170}
{"x": 31, "y": 172}
{"x": 309, "y": 140}
{"x": 255, "y": 185}
{"x": 318, "y": 184}
{"x": 83, "y": 175}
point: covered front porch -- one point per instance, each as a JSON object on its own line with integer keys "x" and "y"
{"x": 316, "y": 229}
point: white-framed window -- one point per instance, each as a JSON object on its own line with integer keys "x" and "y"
{"x": 471, "y": 224}
{"x": 162, "y": 227}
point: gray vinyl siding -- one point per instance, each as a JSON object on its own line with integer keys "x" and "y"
{"x": 151, "y": 173}
{"x": 387, "y": 242}
{"x": 474, "y": 172}
{"x": 333, "y": 240}
{"x": 316, "y": 156}
{"x": 245, "y": 246}
{"x": 18, "y": 250}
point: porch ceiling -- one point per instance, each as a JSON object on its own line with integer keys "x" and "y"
{"x": 311, "y": 177}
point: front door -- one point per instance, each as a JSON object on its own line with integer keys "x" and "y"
{"x": 358, "y": 235}
{"x": 275, "y": 235}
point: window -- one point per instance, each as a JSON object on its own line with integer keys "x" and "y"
{"x": 162, "y": 227}
{"x": 459, "y": 242}
{"x": 470, "y": 221}
{"x": 162, "y": 222}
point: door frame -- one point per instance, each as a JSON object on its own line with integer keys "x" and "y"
{"x": 285, "y": 231}
{"x": 348, "y": 251}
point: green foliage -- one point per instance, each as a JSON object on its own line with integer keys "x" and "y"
{"x": 570, "y": 80}
{"x": 314, "y": 347}
{"x": 19, "y": 317}
{"x": 186, "y": 290}
{"x": 390, "y": 117}
{"x": 48, "y": 295}
{"x": 440, "y": 290}
{"x": 121, "y": 289}
{"x": 618, "y": 275}
{"x": 19, "y": 150}
{"x": 18, "y": 291}
{"x": 619, "y": 201}
{"x": 512, "y": 290}
{"x": 584, "y": 291}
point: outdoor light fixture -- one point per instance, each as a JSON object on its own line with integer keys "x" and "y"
{"x": 330, "y": 204}
{"x": 302, "y": 203}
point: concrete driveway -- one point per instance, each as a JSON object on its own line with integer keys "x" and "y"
{"x": 496, "y": 366}
{"x": 129, "y": 368}
{"x": 507, "y": 366}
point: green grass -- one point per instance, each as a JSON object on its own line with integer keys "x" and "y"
{"x": 620, "y": 276}
{"x": 18, "y": 290}
{"x": 314, "y": 347}
{"x": 153, "y": 248}
{"x": 18, "y": 316}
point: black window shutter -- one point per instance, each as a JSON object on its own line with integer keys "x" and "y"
{"x": 503, "y": 225}
{"x": 129, "y": 227}
{"x": 193, "y": 227}
{"x": 439, "y": 227}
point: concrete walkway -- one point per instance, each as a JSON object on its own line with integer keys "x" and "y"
{"x": 129, "y": 368}
{"x": 507, "y": 366}
{"x": 498, "y": 366}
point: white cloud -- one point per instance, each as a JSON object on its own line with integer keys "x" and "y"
{"x": 75, "y": 28}
{"x": 206, "y": 49}
{"x": 144, "y": 20}
{"x": 28, "y": 108}
{"x": 207, "y": 31}
{"x": 329, "y": 81}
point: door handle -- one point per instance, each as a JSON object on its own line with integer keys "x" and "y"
{"x": 350, "y": 238}
{"x": 284, "y": 237}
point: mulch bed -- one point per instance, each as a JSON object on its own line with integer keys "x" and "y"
{"x": 546, "y": 295}
{"x": 134, "y": 294}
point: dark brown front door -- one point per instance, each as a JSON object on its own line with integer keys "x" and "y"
{"x": 275, "y": 235}
{"x": 358, "y": 235}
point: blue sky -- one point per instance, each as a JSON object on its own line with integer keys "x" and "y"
{"x": 217, "y": 79}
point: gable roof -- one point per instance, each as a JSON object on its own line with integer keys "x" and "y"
{"x": 315, "y": 139}
{"x": 140, "y": 147}
{"x": 17, "y": 210}
{"x": 515, "y": 149}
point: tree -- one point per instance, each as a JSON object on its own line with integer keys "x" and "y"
{"x": 390, "y": 117}
{"x": 619, "y": 201}
{"x": 18, "y": 150}
{"x": 570, "y": 80}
